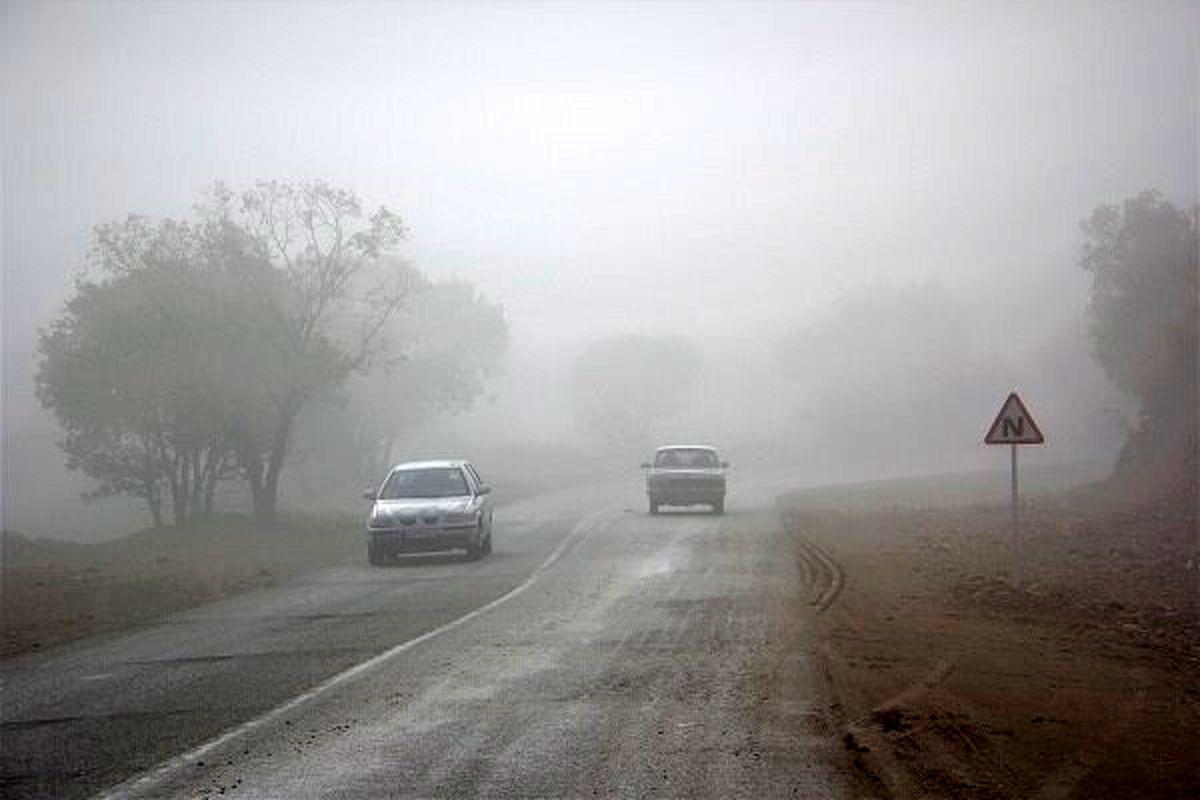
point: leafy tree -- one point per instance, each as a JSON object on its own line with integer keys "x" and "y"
{"x": 621, "y": 386}
{"x": 445, "y": 345}
{"x": 455, "y": 341}
{"x": 128, "y": 368}
{"x": 202, "y": 341}
{"x": 1143, "y": 322}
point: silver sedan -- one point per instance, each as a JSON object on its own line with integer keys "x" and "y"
{"x": 429, "y": 506}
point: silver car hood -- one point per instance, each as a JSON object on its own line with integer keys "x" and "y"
{"x": 702, "y": 471}
{"x": 419, "y": 505}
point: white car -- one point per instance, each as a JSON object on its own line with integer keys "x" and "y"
{"x": 428, "y": 506}
{"x": 685, "y": 475}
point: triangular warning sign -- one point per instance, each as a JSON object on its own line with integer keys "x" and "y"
{"x": 1014, "y": 425}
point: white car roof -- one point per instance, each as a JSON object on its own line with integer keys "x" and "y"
{"x": 686, "y": 447}
{"x": 433, "y": 464}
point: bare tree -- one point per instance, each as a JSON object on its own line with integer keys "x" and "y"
{"x": 323, "y": 314}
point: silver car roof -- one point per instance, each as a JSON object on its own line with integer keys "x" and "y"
{"x": 432, "y": 464}
{"x": 686, "y": 447}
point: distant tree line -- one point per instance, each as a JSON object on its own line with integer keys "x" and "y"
{"x": 886, "y": 375}
{"x": 623, "y": 385}
{"x": 1143, "y": 324}
{"x": 191, "y": 348}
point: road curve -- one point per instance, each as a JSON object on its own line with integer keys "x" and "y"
{"x": 600, "y": 652}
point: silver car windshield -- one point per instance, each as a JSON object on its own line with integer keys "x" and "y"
{"x": 431, "y": 482}
{"x": 686, "y": 458}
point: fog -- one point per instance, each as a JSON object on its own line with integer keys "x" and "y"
{"x": 862, "y": 220}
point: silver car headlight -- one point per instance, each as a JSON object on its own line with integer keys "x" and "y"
{"x": 463, "y": 517}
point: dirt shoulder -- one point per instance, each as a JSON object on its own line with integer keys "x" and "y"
{"x": 951, "y": 684}
{"x": 53, "y": 591}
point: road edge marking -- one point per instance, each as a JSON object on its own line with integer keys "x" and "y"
{"x": 135, "y": 785}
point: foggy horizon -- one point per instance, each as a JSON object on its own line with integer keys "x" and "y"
{"x": 728, "y": 173}
{"x": 682, "y": 398}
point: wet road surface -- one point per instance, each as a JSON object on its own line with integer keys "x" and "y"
{"x": 600, "y": 651}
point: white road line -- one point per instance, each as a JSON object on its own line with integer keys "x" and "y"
{"x": 147, "y": 781}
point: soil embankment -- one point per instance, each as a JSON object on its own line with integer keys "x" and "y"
{"x": 55, "y": 591}
{"x": 952, "y": 684}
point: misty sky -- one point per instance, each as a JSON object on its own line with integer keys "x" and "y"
{"x": 717, "y": 169}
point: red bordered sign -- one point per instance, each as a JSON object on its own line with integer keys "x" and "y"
{"x": 1014, "y": 425}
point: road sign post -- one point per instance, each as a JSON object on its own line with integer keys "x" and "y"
{"x": 1018, "y": 557}
{"x": 1013, "y": 426}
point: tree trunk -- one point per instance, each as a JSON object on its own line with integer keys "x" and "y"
{"x": 264, "y": 500}
{"x": 250, "y": 459}
{"x": 254, "y": 476}
{"x": 210, "y": 493}
{"x": 156, "y": 512}
{"x": 212, "y": 473}
{"x": 196, "y": 488}
{"x": 275, "y": 463}
{"x": 153, "y": 499}
{"x": 179, "y": 490}
{"x": 379, "y": 458}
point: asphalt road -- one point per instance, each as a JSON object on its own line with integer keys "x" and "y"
{"x": 600, "y": 651}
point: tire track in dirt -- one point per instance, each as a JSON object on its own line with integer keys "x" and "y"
{"x": 821, "y": 573}
{"x": 865, "y": 736}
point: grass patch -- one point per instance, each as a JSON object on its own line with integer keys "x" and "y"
{"x": 55, "y": 591}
